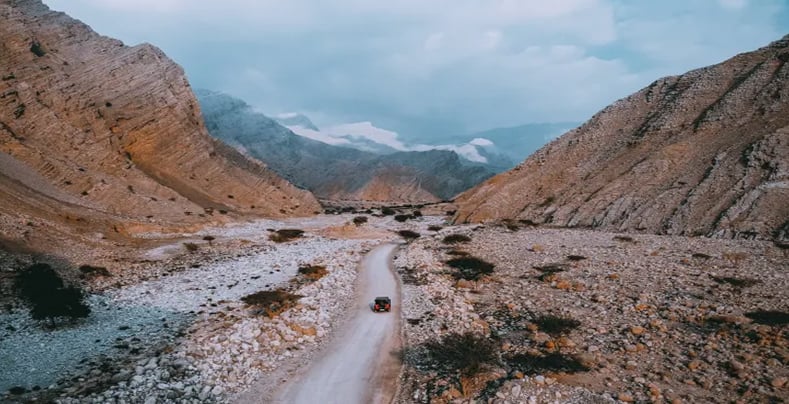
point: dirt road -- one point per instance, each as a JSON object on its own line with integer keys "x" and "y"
{"x": 359, "y": 366}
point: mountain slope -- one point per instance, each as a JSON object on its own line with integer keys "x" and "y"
{"x": 334, "y": 172}
{"x": 109, "y": 138}
{"x": 704, "y": 153}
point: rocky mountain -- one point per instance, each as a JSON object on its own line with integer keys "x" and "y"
{"x": 335, "y": 172}
{"x": 99, "y": 139}
{"x": 703, "y": 153}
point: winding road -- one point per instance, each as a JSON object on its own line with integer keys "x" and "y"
{"x": 359, "y": 366}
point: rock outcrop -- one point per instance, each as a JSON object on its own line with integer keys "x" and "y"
{"x": 704, "y": 153}
{"x": 334, "y": 172}
{"x": 99, "y": 138}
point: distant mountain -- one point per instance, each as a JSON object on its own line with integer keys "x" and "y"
{"x": 703, "y": 153}
{"x": 333, "y": 171}
{"x": 366, "y": 136}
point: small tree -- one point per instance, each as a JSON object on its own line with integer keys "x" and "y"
{"x": 360, "y": 220}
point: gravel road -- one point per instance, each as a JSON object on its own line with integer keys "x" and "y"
{"x": 359, "y": 366}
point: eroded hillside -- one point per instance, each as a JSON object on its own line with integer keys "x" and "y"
{"x": 704, "y": 153}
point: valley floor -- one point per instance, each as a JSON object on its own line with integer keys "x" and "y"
{"x": 659, "y": 319}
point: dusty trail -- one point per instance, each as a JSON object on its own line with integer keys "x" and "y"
{"x": 359, "y": 366}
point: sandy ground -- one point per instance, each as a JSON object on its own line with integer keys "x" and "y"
{"x": 359, "y": 366}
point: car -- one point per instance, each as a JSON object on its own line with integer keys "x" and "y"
{"x": 382, "y": 303}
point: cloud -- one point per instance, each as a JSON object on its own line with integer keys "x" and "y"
{"x": 427, "y": 68}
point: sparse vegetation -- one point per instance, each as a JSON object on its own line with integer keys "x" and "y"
{"x": 191, "y": 247}
{"x": 313, "y": 272}
{"x": 92, "y": 271}
{"x": 459, "y": 253}
{"x": 736, "y": 282}
{"x": 735, "y": 257}
{"x": 456, "y": 238}
{"x": 626, "y": 239}
{"x": 462, "y": 355}
{"x": 48, "y": 296}
{"x": 551, "y": 268}
{"x": 387, "y": 211}
{"x": 36, "y": 48}
{"x": 701, "y": 256}
{"x": 360, "y": 220}
{"x": 209, "y": 239}
{"x": 285, "y": 235}
{"x": 575, "y": 258}
{"x": 271, "y": 302}
{"x": 434, "y": 227}
{"x": 470, "y": 268}
{"x": 403, "y": 218}
{"x": 769, "y": 317}
{"x": 408, "y": 234}
{"x": 555, "y": 325}
{"x": 416, "y": 213}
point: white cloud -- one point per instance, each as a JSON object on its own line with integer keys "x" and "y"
{"x": 366, "y": 130}
{"x": 733, "y": 4}
{"x": 481, "y": 142}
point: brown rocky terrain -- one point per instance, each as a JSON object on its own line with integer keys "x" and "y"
{"x": 583, "y": 316}
{"x": 703, "y": 153}
{"x": 99, "y": 139}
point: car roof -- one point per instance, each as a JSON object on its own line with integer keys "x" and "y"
{"x": 382, "y": 298}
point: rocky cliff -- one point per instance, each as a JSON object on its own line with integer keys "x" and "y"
{"x": 704, "y": 153}
{"x": 334, "y": 172}
{"x": 99, "y": 138}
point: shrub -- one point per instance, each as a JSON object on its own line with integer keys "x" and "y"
{"x": 402, "y": 218}
{"x": 464, "y": 354}
{"x": 191, "y": 247}
{"x": 285, "y": 235}
{"x": 769, "y": 317}
{"x": 555, "y": 325}
{"x": 313, "y": 272}
{"x": 736, "y": 282}
{"x": 458, "y": 253}
{"x": 551, "y": 268}
{"x": 456, "y": 238}
{"x": 434, "y": 227}
{"x": 575, "y": 258}
{"x": 408, "y": 234}
{"x": 91, "y": 271}
{"x": 470, "y": 268}
{"x": 44, "y": 290}
{"x": 626, "y": 239}
{"x": 271, "y": 302}
{"x": 734, "y": 257}
{"x": 360, "y": 220}
{"x": 527, "y": 222}
{"x": 533, "y": 364}
{"x": 416, "y": 213}
{"x": 387, "y": 211}
{"x": 701, "y": 256}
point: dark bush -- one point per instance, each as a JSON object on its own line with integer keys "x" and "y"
{"x": 36, "y": 48}
{"x": 387, "y": 211}
{"x": 532, "y": 364}
{"x": 555, "y": 325}
{"x": 470, "y": 268}
{"x": 701, "y": 256}
{"x": 191, "y": 247}
{"x": 408, "y": 234}
{"x": 450, "y": 212}
{"x": 434, "y": 227}
{"x": 460, "y": 354}
{"x": 209, "y": 239}
{"x": 360, "y": 220}
{"x": 91, "y": 271}
{"x": 285, "y": 235}
{"x": 769, "y": 317}
{"x": 271, "y": 302}
{"x": 416, "y": 213}
{"x": 575, "y": 258}
{"x": 551, "y": 268}
{"x": 456, "y": 238}
{"x": 527, "y": 222}
{"x": 402, "y": 218}
{"x": 458, "y": 253}
{"x": 47, "y": 295}
{"x": 626, "y": 239}
{"x": 313, "y": 272}
{"x": 736, "y": 282}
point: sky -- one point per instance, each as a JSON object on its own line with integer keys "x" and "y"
{"x": 421, "y": 67}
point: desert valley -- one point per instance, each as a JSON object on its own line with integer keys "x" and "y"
{"x": 160, "y": 244}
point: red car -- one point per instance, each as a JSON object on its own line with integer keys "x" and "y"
{"x": 382, "y": 303}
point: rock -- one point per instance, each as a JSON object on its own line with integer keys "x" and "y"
{"x": 694, "y": 365}
{"x": 626, "y": 397}
{"x": 778, "y": 382}
{"x": 539, "y": 379}
{"x": 565, "y": 342}
{"x": 464, "y": 284}
{"x": 636, "y": 330}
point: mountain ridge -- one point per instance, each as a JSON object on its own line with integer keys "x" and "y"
{"x": 703, "y": 153}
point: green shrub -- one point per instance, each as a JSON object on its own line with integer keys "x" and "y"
{"x": 555, "y": 325}
{"x": 736, "y": 282}
{"x": 533, "y": 364}
{"x": 313, "y": 272}
{"x": 191, "y": 247}
{"x": 402, "y": 218}
{"x": 459, "y": 354}
{"x": 769, "y": 317}
{"x": 408, "y": 234}
{"x": 387, "y": 211}
{"x": 47, "y": 295}
{"x": 434, "y": 227}
{"x": 360, "y": 220}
